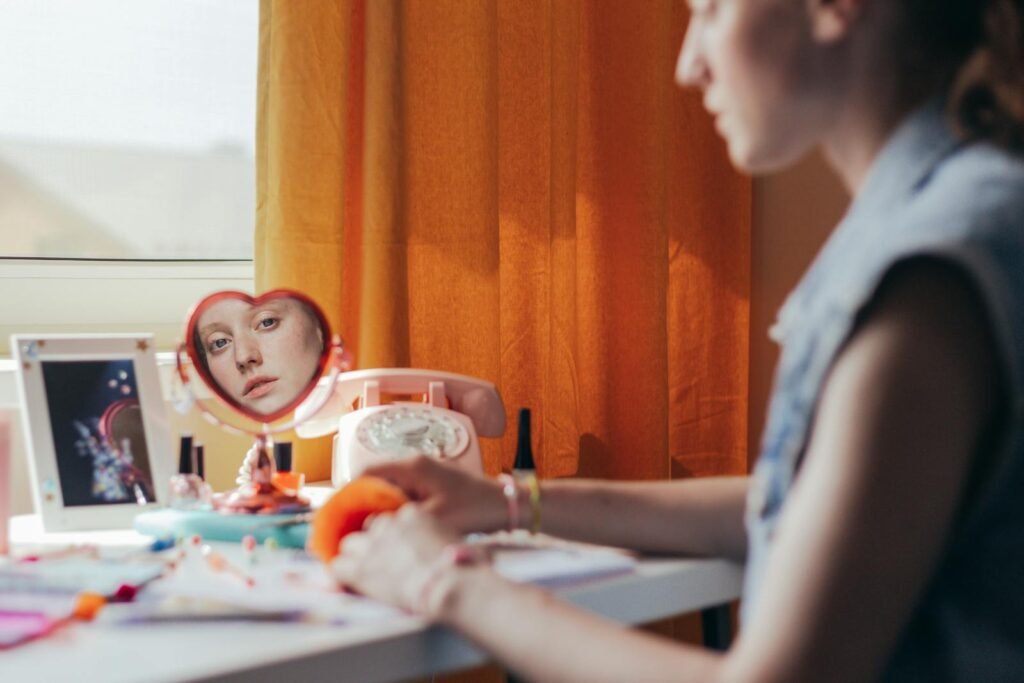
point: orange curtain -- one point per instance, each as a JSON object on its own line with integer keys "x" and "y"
{"x": 515, "y": 190}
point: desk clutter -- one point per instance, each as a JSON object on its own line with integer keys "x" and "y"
{"x": 276, "y": 570}
{"x": 192, "y": 579}
{"x": 100, "y": 458}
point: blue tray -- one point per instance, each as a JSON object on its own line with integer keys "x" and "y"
{"x": 213, "y": 526}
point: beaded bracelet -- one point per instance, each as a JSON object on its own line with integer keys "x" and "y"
{"x": 510, "y": 490}
{"x": 452, "y": 556}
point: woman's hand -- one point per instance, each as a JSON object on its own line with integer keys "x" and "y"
{"x": 462, "y": 501}
{"x": 393, "y": 559}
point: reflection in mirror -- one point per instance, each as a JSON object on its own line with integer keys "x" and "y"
{"x": 262, "y": 355}
{"x": 123, "y": 431}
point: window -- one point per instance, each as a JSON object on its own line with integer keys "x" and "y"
{"x": 127, "y": 178}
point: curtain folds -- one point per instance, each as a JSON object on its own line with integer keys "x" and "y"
{"x": 515, "y": 190}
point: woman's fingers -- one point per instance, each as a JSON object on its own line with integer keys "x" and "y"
{"x": 419, "y": 477}
{"x": 343, "y": 569}
{"x": 387, "y": 559}
{"x": 353, "y": 545}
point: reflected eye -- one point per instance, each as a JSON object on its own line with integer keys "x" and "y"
{"x": 218, "y": 344}
{"x": 267, "y": 323}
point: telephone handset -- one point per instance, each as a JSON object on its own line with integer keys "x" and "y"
{"x": 393, "y": 413}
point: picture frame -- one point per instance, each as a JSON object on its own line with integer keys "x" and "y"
{"x": 96, "y": 429}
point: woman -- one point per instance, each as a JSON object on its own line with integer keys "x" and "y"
{"x": 882, "y": 530}
{"x": 263, "y": 356}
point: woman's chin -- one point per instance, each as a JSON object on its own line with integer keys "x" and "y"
{"x": 742, "y": 156}
{"x": 264, "y": 405}
{"x": 761, "y": 158}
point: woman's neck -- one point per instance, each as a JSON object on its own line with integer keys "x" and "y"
{"x": 881, "y": 87}
{"x": 861, "y": 130}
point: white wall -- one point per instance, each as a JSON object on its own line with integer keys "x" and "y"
{"x": 21, "y": 497}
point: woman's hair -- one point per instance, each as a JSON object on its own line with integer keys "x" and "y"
{"x": 200, "y": 350}
{"x": 979, "y": 46}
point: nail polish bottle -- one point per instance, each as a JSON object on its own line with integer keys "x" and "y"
{"x": 200, "y": 468}
{"x": 524, "y": 465}
{"x": 185, "y": 448}
{"x": 187, "y": 488}
{"x": 284, "y": 478}
{"x": 524, "y": 445}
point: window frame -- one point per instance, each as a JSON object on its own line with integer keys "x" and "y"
{"x": 110, "y": 296}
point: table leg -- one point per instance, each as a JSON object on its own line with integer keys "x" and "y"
{"x": 717, "y": 623}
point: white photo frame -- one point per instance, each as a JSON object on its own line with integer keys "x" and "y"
{"x": 96, "y": 428}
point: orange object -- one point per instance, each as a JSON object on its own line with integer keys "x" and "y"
{"x": 289, "y": 482}
{"x": 88, "y": 606}
{"x": 347, "y": 510}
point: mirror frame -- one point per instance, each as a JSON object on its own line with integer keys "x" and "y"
{"x": 207, "y": 377}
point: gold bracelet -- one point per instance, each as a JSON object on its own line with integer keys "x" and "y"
{"x": 533, "y": 485}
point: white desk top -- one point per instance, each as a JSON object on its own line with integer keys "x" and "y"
{"x": 396, "y": 650}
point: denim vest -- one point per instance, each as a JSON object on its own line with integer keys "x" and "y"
{"x": 925, "y": 195}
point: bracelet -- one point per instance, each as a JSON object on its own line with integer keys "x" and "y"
{"x": 510, "y": 490}
{"x": 533, "y": 485}
{"x": 452, "y": 556}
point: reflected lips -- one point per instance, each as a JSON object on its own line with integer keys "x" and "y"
{"x": 259, "y": 386}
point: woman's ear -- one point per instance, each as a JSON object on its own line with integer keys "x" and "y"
{"x": 831, "y": 20}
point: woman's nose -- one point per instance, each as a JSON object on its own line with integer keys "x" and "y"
{"x": 247, "y": 353}
{"x": 691, "y": 68}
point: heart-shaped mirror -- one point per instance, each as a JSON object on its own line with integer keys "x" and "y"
{"x": 261, "y": 355}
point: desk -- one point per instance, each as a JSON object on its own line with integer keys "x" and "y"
{"x": 397, "y": 650}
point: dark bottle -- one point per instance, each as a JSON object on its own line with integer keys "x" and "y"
{"x": 185, "y": 455}
{"x": 524, "y": 448}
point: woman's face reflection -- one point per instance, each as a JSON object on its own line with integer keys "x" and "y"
{"x": 263, "y": 356}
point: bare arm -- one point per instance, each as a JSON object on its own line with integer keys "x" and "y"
{"x": 694, "y": 517}
{"x": 587, "y": 649}
{"x": 904, "y": 412}
{"x": 899, "y": 421}
{"x": 901, "y": 416}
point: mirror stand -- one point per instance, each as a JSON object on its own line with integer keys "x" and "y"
{"x": 259, "y": 494}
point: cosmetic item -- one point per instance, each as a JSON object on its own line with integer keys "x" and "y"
{"x": 185, "y": 454}
{"x": 200, "y": 469}
{"x": 524, "y": 447}
{"x": 187, "y": 488}
{"x": 284, "y": 478}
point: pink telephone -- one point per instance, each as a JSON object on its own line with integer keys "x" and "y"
{"x": 394, "y": 413}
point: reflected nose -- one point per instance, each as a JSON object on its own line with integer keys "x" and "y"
{"x": 247, "y": 353}
{"x": 691, "y": 67}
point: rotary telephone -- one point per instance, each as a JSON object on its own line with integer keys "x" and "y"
{"x": 383, "y": 415}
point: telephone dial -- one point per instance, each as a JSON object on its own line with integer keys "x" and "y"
{"x": 383, "y": 415}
